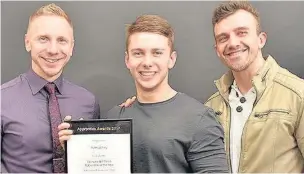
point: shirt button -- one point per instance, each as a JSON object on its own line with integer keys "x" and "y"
{"x": 239, "y": 109}
{"x": 243, "y": 100}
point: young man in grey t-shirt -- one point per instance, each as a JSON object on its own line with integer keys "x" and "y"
{"x": 172, "y": 132}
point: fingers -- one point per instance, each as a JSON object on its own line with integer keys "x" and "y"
{"x": 128, "y": 102}
{"x": 67, "y": 118}
{"x": 63, "y": 126}
{"x": 122, "y": 104}
{"x": 133, "y": 99}
{"x": 65, "y": 132}
{"x": 64, "y": 135}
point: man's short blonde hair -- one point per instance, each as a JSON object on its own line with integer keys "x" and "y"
{"x": 50, "y": 9}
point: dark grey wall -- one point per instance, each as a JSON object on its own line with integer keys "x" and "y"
{"x": 98, "y": 61}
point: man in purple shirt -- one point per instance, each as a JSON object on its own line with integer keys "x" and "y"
{"x": 26, "y": 133}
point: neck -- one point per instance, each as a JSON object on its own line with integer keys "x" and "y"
{"x": 244, "y": 78}
{"x": 156, "y": 95}
{"x": 40, "y": 73}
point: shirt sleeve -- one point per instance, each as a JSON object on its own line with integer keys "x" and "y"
{"x": 114, "y": 113}
{"x": 207, "y": 151}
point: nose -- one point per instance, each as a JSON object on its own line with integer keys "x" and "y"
{"x": 53, "y": 48}
{"x": 234, "y": 41}
{"x": 148, "y": 61}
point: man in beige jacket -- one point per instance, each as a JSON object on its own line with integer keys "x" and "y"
{"x": 259, "y": 104}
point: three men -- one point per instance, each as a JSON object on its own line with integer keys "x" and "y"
{"x": 260, "y": 104}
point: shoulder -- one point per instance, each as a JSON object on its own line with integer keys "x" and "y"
{"x": 290, "y": 82}
{"x": 14, "y": 89}
{"x": 14, "y": 92}
{"x": 71, "y": 88}
{"x": 205, "y": 115}
{"x": 10, "y": 85}
{"x": 119, "y": 111}
{"x": 183, "y": 98}
{"x": 195, "y": 107}
{"x": 213, "y": 96}
{"x": 115, "y": 112}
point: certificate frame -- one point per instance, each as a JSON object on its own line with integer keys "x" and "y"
{"x": 105, "y": 123}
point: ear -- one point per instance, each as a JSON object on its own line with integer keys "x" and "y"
{"x": 172, "y": 60}
{"x": 27, "y": 43}
{"x": 72, "y": 47}
{"x": 127, "y": 59}
{"x": 262, "y": 39}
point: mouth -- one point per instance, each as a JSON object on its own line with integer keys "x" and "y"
{"x": 147, "y": 73}
{"x": 236, "y": 52}
{"x": 51, "y": 60}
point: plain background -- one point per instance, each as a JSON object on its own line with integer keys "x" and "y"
{"x": 98, "y": 60}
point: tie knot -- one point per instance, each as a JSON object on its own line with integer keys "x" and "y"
{"x": 50, "y": 88}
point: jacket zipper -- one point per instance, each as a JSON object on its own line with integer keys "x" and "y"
{"x": 261, "y": 115}
{"x": 241, "y": 151}
{"x": 228, "y": 135}
{"x": 229, "y": 125}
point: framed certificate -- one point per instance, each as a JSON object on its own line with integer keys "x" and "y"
{"x": 100, "y": 146}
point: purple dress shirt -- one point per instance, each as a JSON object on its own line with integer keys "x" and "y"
{"x": 26, "y": 142}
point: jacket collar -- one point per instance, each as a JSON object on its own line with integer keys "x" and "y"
{"x": 263, "y": 78}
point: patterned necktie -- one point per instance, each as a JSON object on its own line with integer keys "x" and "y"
{"x": 55, "y": 117}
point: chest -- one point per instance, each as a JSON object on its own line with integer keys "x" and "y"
{"x": 160, "y": 134}
{"x": 269, "y": 129}
{"x": 26, "y": 121}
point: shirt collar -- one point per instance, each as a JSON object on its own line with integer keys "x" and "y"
{"x": 37, "y": 83}
{"x": 236, "y": 89}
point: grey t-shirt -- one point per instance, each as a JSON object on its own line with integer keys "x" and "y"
{"x": 177, "y": 135}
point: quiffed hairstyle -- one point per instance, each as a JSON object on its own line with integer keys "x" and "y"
{"x": 228, "y": 8}
{"x": 151, "y": 24}
{"x": 50, "y": 9}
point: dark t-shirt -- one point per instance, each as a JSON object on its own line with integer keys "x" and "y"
{"x": 177, "y": 135}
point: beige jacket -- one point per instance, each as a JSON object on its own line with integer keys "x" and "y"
{"x": 273, "y": 136}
